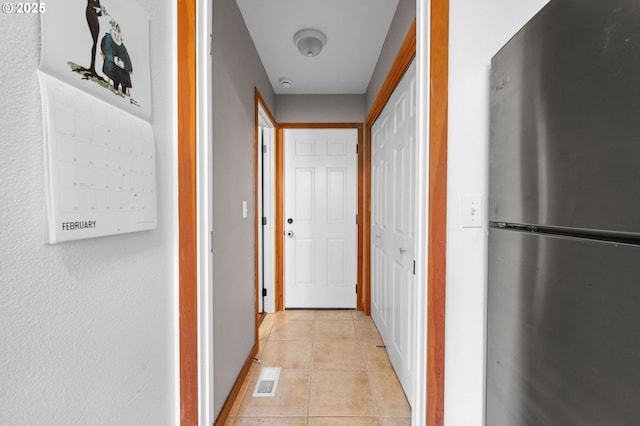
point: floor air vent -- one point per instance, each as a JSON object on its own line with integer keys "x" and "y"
{"x": 267, "y": 382}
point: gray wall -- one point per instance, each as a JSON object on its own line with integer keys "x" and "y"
{"x": 320, "y": 108}
{"x": 404, "y": 16}
{"x": 236, "y": 71}
{"x": 87, "y": 327}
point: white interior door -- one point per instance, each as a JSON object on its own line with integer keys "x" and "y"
{"x": 265, "y": 215}
{"x": 320, "y": 209}
{"x": 265, "y": 221}
{"x": 393, "y": 227}
{"x": 260, "y": 213}
{"x": 268, "y": 229}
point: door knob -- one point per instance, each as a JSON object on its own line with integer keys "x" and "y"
{"x": 290, "y": 234}
{"x": 290, "y": 221}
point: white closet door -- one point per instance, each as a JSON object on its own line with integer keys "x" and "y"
{"x": 320, "y": 208}
{"x": 393, "y": 226}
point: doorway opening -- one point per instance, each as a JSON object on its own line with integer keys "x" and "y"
{"x": 434, "y": 125}
{"x": 280, "y": 207}
{"x": 264, "y": 157}
{"x": 320, "y": 207}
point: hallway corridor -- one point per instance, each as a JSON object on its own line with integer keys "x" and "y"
{"x": 335, "y": 372}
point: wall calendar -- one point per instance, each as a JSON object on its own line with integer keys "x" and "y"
{"x": 100, "y": 166}
{"x": 100, "y": 175}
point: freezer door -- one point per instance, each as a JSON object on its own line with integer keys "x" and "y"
{"x": 565, "y": 119}
{"x": 563, "y": 331}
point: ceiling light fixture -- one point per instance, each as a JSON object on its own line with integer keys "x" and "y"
{"x": 286, "y": 82}
{"x": 310, "y": 42}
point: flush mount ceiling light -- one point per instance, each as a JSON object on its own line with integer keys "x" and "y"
{"x": 286, "y": 82}
{"x": 309, "y": 42}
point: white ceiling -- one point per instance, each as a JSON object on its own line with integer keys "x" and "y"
{"x": 355, "y": 31}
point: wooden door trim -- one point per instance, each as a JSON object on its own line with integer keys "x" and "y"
{"x": 437, "y": 226}
{"x": 279, "y": 226}
{"x": 187, "y": 241}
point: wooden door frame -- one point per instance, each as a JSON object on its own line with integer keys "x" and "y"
{"x": 279, "y": 226}
{"x": 187, "y": 241}
{"x": 187, "y": 219}
{"x": 437, "y": 223}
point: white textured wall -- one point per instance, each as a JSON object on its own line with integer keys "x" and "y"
{"x": 477, "y": 30}
{"x": 87, "y": 328}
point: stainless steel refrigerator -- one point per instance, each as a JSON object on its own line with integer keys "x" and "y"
{"x": 563, "y": 322}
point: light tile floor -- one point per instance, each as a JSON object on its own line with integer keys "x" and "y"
{"x": 335, "y": 372}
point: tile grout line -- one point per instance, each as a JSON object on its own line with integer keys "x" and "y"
{"x": 313, "y": 345}
{"x": 373, "y": 394}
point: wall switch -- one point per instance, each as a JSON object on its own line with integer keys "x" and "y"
{"x": 245, "y": 210}
{"x": 472, "y": 211}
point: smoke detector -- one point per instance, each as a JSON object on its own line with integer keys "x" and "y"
{"x": 286, "y": 82}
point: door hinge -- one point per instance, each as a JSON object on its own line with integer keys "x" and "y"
{"x": 356, "y": 288}
{"x": 356, "y": 219}
{"x": 414, "y": 267}
{"x": 211, "y": 241}
{"x": 264, "y": 292}
{"x": 264, "y": 221}
{"x": 264, "y": 149}
{"x": 356, "y": 148}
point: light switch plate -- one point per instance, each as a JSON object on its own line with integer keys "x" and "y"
{"x": 471, "y": 211}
